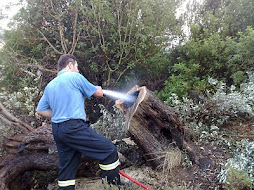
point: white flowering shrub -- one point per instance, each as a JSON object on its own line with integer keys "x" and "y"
{"x": 111, "y": 125}
{"x": 218, "y": 108}
{"x": 22, "y": 103}
{"x": 233, "y": 102}
{"x": 206, "y": 117}
{"x": 247, "y": 89}
{"x": 242, "y": 160}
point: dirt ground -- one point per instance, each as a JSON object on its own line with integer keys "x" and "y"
{"x": 182, "y": 177}
{"x": 191, "y": 177}
{"x": 143, "y": 174}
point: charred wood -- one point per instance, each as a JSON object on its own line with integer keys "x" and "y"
{"x": 156, "y": 128}
{"x": 35, "y": 151}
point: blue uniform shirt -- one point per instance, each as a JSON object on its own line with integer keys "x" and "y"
{"x": 65, "y": 96}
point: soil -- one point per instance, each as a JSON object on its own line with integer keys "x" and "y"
{"x": 185, "y": 176}
{"x": 181, "y": 177}
{"x": 191, "y": 177}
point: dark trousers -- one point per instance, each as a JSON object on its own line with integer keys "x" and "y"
{"x": 75, "y": 138}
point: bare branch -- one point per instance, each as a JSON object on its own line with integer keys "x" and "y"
{"x": 61, "y": 33}
{"x": 40, "y": 67}
{"x": 51, "y": 45}
{"x": 74, "y": 37}
{"x": 11, "y": 120}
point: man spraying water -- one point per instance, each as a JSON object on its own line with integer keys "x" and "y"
{"x": 63, "y": 102}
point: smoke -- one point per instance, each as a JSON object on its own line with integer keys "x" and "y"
{"x": 127, "y": 85}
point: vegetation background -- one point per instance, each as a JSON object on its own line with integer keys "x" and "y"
{"x": 206, "y": 74}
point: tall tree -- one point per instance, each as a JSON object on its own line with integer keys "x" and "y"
{"x": 109, "y": 38}
{"x": 219, "y": 46}
{"x": 225, "y": 16}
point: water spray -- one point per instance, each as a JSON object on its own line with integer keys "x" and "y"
{"x": 119, "y": 96}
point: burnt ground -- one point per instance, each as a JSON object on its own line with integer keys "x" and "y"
{"x": 186, "y": 176}
{"x": 191, "y": 177}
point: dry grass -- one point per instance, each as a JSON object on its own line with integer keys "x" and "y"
{"x": 172, "y": 159}
{"x": 183, "y": 186}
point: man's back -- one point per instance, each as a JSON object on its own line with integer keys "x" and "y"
{"x": 65, "y": 96}
{"x": 63, "y": 102}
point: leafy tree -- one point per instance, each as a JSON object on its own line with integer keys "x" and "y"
{"x": 108, "y": 37}
{"x": 219, "y": 46}
{"x": 226, "y": 59}
{"x": 111, "y": 39}
{"x": 223, "y": 16}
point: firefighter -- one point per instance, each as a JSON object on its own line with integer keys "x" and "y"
{"x": 63, "y": 101}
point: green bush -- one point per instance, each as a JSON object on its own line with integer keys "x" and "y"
{"x": 111, "y": 125}
{"x": 237, "y": 180}
{"x": 226, "y": 59}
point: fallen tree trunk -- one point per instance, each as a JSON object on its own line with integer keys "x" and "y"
{"x": 155, "y": 127}
{"x": 30, "y": 151}
{"x": 35, "y": 151}
{"x": 14, "y": 167}
{"x": 27, "y": 152}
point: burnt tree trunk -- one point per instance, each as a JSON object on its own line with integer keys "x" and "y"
{"x": 155, "y": 127}
{"x": 34, "y": 151}
{"x": 27, "y": 152}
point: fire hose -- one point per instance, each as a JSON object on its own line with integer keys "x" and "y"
{"x": 134, "y": 181}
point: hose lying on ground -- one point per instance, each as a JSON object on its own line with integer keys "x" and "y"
{"x": 134, "y": 181}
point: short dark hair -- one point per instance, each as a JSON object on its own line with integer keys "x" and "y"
{"x": 64, "y": 60}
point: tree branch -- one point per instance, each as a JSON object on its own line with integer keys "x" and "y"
{"x": 74, "y": 37}
{"x": 11, "y": 120}
{"x": 62, "y": 38}
{"x": 46, "y": 39}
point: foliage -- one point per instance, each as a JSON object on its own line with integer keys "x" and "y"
{"x": 203, "y": 118}
{"x": 219, "y": 46}
{"x": 222, "y": 16}
{"x": 231, "y": 100}
{"x": 22, "y": 102}
{"x": 110, "y": 125}
{"x": 225, "y": 59}
{"x": 222, "y": 104}
{"x": 238, "y": 172}
{"x": 109, "y": 38}
{"x": 237, "y": 180}
{"x": 151, "y": 72}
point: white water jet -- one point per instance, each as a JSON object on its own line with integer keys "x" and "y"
{"x": 119, "y": 95}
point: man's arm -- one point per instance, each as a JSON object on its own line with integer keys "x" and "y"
{"x": 98, "y": 93}
{"x": 47, "y": 113}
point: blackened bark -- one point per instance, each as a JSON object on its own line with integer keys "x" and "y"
{"x": 35, "y": 151}
{"x": 155, "y": 127}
